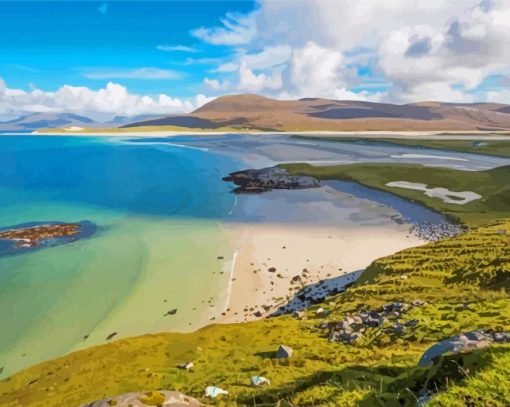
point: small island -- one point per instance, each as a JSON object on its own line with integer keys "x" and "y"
{"x": 37, "y": 235}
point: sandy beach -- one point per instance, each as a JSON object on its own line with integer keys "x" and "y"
{"x": 273, "y": 262}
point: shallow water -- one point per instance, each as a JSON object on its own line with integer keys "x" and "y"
{"x": 159, "y": 205}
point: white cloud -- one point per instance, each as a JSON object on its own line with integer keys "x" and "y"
{"x": 215, "y": 84}
{"x": 226, "y": 67}
{"x": 315, "y": 71}
{"x": 201, "y": 100}
{"x": 433, "y": 49}
{"x": 176, "y": 48}
{"x": 345, "y": 94}
{"x": 100, "y": 104}
{"x": 236, "y": 29}
{"x": 137, "y": 73}
{"x": 499, "y": 96}
{"x": 250, "y": 81}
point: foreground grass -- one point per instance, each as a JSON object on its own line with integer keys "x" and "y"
{"x": 499, "y": 148}
{"x": 493, "y": 185}
{"x": 464, "y": 281}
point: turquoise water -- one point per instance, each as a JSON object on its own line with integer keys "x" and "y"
{"x": 153, "y": 206}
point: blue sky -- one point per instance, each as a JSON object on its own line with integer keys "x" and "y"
{"x": 108, "y": 58}
{"x": 50, "y": 44}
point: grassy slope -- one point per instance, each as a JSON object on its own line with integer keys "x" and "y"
{"x": 493, "y": 185}
{"x": 381, "y": 370}
{"x": 499, "y": 148}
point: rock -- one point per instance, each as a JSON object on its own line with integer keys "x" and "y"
{"x": 111, "y": 336}
{"x": 143, "y": 399}
{"x": 271, "y": 269}
{"x": 459, "y": 343}
{"x": 171, "y": 312}
{"x": 213, "y": 391}
{"x": 186, "y": 366}
{"x": 259, "y": 381}
{"x": 265, "y": 179}
{"x": 411, "y": 323}
{"x": 298, "y": 314}
{"x": 283, "y": 352}
{"x": 501, "y": 337}
{"x": 418, "y": 303}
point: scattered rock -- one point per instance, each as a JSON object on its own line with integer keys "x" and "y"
{"x": 283, "y": 352}
{"x": 259, "y": 381}
{"x": 111, "y": 336}
{"x": 142, "y": 399}
{"x": 186, "y": 366}
{"x": 213, "y": 391}
{"x": 271, "y": 269}
{"x": 171, "y": 312}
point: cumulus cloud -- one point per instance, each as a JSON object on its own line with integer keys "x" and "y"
{"x": 431, "y": 49}
{"x": 100, "y": 104}
{"x": 215, "y": 84}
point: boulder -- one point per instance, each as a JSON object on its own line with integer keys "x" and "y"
{"x": 459, "y": 343}
{"x": 283, "y": 352}
{"x": 151, "y": 398}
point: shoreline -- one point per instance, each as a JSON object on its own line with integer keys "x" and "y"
{"x": 273, "y": 263}
{"x": 428, "y": 135}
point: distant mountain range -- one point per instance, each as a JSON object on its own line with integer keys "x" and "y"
{"x": 257, "y": 112}
{"x": 36, "y": 121}
{"x": 260, "y": 113}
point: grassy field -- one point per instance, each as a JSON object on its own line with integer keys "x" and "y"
{"x": 493, "y": 185}
{"x": 464, "y": 282}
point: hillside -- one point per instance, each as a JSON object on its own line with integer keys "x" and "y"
{"x": 37, "y": 121}
{"x": 261, "y": 113}
{"x": 454, "y": 286}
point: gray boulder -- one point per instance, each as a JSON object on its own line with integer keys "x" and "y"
{"x": 283, "y": 352}
{"x": 459, "y": 343}
{"x": 142, "y": 399}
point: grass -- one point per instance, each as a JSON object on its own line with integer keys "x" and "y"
{"x": 380, "y": 370}
{"x": 499, "y": 148}
{"x": 492, "y": 185}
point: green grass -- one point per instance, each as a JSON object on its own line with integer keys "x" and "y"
{"x": 493, "y": 185}
{"x": 380, "y": 370}
{"x": 500, "y": 148}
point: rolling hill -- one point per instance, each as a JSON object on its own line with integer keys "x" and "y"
{"x": 261, "y": 113}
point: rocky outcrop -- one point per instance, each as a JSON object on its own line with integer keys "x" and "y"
{"x": 266, "y": 179}
{"x": 466, "y": 342}
{"x": 36, "y": 235}
{"x": 387, "y": 318}
{"x": 152, "y": 398}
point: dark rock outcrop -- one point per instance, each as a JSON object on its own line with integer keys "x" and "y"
{"x": 266, "y": 179}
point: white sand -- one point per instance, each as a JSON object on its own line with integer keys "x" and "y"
{"x": 326, "y": 252}
{"x": 461, "y": 197}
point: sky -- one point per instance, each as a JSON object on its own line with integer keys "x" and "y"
{"x": 102, "y": 59}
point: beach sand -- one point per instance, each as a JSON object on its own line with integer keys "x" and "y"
{"x": 268, "y": 256}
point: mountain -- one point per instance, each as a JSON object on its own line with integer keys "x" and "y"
{"x": 261, "y": 113}
{"x": 36, "y": 121}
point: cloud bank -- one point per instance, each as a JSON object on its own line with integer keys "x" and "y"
{"x": 101, "y": 104}
{"x": 415, "y": 49}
